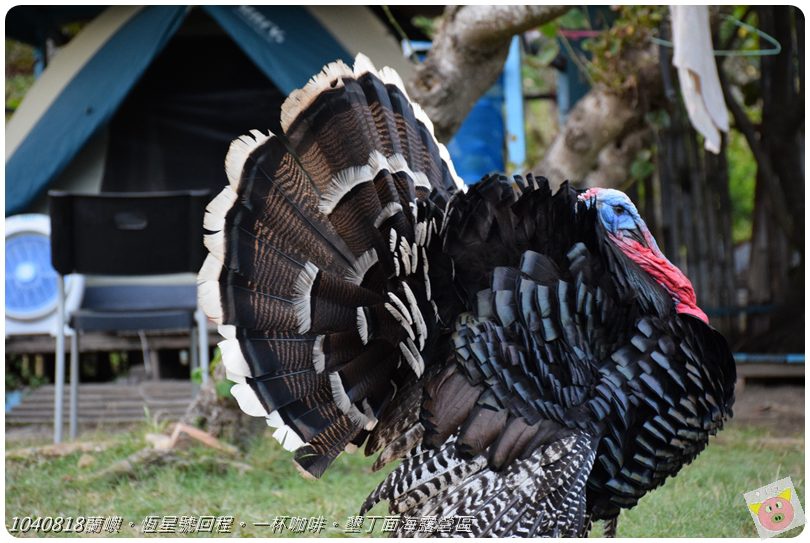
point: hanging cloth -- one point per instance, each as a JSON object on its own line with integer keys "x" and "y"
{"x": 697, "y": 72}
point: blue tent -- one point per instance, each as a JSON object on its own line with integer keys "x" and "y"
{"x": 116, "y": 73}
{"x": 285, "y": 42}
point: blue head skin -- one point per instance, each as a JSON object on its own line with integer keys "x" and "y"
{"x": 619, "y": 215}
{"x": 627, "y": 230}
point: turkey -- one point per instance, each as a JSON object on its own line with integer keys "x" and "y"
{"x": 532, "y": 360}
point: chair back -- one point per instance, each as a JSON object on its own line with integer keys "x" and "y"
{"x": 144, "y": 233}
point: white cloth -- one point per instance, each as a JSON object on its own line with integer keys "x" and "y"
{"x": 697, "y": 73}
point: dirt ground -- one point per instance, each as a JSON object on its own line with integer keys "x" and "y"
{"x": 777, "y": 408}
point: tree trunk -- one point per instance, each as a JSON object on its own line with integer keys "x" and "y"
{"x": 602, "y": 117}
{"x": 466, "y": 58}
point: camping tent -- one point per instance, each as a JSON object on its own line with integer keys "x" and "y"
{"x": 148, "y": 98}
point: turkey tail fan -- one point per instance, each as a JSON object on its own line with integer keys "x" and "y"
{"x": 317, "y": 272}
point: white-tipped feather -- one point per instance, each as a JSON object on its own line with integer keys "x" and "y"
{"x": 338, "y": 393}
{"x": 238, "y": 153}
{"x": 346, "y": 180}
{"x": 411, "y": 359}
{"x": 218, "y": 208}
{"x": 343, "y": 401}
{"x": 390, "y": 209}
{"x": 234, "y": 377}
{"x": 301, "y": 296}
{"x": 361, "y": 266}
{"x": 274, "y": 419}
{"x": 227, "y": 331}
{"x": 363, "y": 65}
{"x": 417, "y": 355}
{"x": 401, "y": 319}
{"x": 234, "y": 360}
{"x": 425, "y": 270}
{"x": 284, "y": 434}
{"x": 208, "y": 297}
{"x": 247, "y": 400}
{"x": 342, "y": 183}
{"x": 421, "y": 180}
{"x": 215, "y": 243}
{"x": 389, "y": 76}
{"x": 392, "y": 240}
{"x": 288, "y": 438}
{"x": 298, "y": 100}
{"x": 421, "y": 326}
{"x": 236, "y": 367}
{"x": 420, "y": 231}
{"x": 401, "y": 306}
{"x": 331, "y": 77}
{"x": 399, "y": 164}
{"x": 318, "y": 357}
{"x": 362, "y": 325}
{"x": 460, "y": 185}
{"x": 405, "y": 255}
{"x": 421, "y": 116}
{"x": 448, "y": 211}
{"x": 377, "y": 162}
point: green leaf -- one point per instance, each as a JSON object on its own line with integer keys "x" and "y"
{"x": 550, "y": 29}
{"x": 223, "y": 389}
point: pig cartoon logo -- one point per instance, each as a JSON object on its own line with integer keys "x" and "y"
{"x": 776, "y": 513}
{"x": 775, "y": 508}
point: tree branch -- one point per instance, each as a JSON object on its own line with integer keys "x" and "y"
{"x": 483, "y": 26}
{"x": 467, "y": 56}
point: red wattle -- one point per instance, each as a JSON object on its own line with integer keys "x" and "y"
{"x": 665, "y": 273}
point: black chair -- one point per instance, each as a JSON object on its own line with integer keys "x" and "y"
{"x": 126, "y": 234}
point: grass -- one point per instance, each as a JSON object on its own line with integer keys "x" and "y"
{"x": 705, "y": 500}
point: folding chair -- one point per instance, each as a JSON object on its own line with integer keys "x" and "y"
{"x": 126, "y": 234}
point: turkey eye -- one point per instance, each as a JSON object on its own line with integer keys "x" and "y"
{"x": 618, "y": 210}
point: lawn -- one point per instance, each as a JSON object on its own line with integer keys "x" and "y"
{"x": 705, "y": 500}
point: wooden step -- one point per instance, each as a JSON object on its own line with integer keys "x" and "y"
{"x": 109, "y": 402}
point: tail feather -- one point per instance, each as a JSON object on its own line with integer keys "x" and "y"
{"x": 318, "y": 263}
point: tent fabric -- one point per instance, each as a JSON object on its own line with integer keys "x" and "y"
{"x": 173, "y": 130}
{"x": 285, "y": 42}
{"x": 86, "y": 103}
{"x": 62, "y": 69}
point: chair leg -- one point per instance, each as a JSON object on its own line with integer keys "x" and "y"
{"x": 74, "y": 384}
{"x": 194, "y": 356}
{"x": 202, "y": 338}
{"x": 59, "y": 374}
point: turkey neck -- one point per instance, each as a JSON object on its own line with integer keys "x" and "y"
{"x": 650, "y": 259}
